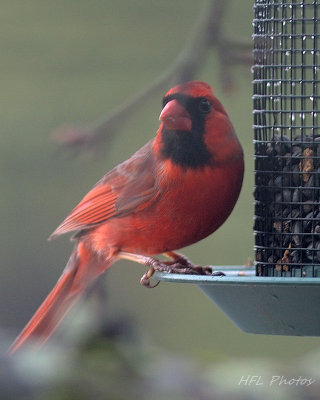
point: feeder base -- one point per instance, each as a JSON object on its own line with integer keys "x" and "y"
{"x": 261, "y": 305}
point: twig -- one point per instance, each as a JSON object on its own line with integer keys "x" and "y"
{"x": 207, "y": 33}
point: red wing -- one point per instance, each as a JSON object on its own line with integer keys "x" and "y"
{"x": 130, "y": 186}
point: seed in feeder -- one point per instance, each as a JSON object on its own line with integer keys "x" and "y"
{"x": 308, "y": 188}
{"x": 310, "y": 252}
{"x": 296, "y": 196}
{"x": 316, "y": 230}
{"x": 270, "y": 150}
{"x": 306, "y": 164}
{"x": 296, "y": 152}
{"x": 288, "y": 190}
{"x": 297, "y": 230}
{"x": 307, "y": 222}
{"x": 284, "y": 261}
{"x": 296, "y": 175}
{"x": 317, "y": 247}
{"x": 295, "y": 258}
{"x": 277, "y": 226}
{"x": 307, "y": 206}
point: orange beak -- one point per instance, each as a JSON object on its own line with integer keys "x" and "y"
{"x": 175, "y": 117}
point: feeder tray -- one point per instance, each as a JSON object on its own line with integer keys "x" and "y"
{"x": 281, "y": 296}
{"x": 261, "y": 305}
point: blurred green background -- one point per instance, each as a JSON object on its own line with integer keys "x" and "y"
{"x": 73, "y": 62}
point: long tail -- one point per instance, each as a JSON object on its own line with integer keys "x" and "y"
{"x": 82, "y": 268}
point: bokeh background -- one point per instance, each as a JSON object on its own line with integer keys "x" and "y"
{"x": 74, "y": 62}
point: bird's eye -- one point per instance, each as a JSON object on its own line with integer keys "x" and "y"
{"x": 205, "y": 106}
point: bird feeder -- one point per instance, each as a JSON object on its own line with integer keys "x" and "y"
{"x": 281, "y": 294}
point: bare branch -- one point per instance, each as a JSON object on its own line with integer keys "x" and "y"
{"x": 207, "y": 33}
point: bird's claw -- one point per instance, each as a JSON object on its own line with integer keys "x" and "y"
{"x": 145, "y": 279}
{"x": 217, "y": 273}
{"x": 177, "y": 266}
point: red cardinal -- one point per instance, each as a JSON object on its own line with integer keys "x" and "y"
{"x": 174, "y": 191}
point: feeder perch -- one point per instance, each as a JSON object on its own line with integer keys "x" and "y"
{"x": 281, "y": 295}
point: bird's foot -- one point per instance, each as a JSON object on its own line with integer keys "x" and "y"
{"x": 182, "y": 265}
{"x": 179, "y": 264}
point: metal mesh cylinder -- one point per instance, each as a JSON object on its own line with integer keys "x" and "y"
{"x": 287, "y": 137}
